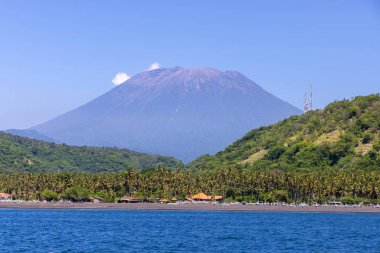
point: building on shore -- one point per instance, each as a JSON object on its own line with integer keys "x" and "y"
{"x": 203, "y": 197}
{"x": 95, "y": 200}
{"x": 218, "y": 198}
{"x": 5, "y": 196}
{"x": 130, "y": 199}
{"x": 163, "y": 200}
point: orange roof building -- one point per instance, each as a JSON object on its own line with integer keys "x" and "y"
{"x": 201, "y": 197}
{"x": 163, "y": 200}
{"x": 218, "y": 198}
{"x": 5, "y": 196}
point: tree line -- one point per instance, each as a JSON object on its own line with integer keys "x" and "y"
{"x": 234, "y": 184}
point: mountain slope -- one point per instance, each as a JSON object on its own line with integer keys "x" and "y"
{"x": 33, "y": 134}
{"x": 344, "y": 135}
{"x": 23, "y": 154}
{"x": 177, "y": 112}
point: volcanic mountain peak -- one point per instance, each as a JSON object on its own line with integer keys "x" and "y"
{"x": 177, "y": 112}
{"x": 196, "y": 78}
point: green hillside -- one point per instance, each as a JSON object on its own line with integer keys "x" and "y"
{"x": 19, "y": 154}
{"x": 344, "y": 135}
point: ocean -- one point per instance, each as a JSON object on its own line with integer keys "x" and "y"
{"x": 186, "y": 231}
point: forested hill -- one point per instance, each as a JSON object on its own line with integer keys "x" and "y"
{"x": 344, "y": 135}
{"x": 19, "y": 154}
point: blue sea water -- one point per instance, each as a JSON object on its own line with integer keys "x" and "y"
{"x": 186, "y": 231}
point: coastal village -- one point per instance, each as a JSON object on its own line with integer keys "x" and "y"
{"x": 200, "y": 197}
{"x": 199, "y": 201}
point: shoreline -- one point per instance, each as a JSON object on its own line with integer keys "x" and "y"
{"x": 189, "y": 207}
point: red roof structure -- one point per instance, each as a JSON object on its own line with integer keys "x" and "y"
{"x": 5, "y": 196}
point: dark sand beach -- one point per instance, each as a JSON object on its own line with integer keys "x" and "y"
{"x": 190, "y": 207}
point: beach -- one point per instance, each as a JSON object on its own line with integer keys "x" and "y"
{"x": 189, "y": 207}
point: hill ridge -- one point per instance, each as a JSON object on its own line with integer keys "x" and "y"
{"x": 344, "y": 135}
{"x": 18, "y": 154}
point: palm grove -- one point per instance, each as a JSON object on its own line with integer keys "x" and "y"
{"x": 322, "y": 155}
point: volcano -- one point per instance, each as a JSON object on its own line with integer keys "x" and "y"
{"x": 177, "y": 112}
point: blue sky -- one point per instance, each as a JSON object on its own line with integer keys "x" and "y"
{"x": 57, "y": 55}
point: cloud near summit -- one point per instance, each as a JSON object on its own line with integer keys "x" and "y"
{"x": 154, "y": 66}
{"x": 120, "y": 78}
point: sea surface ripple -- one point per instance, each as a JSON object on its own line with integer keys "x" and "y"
{"x": 186, "y": 231}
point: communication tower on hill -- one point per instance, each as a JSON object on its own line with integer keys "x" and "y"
{"x": 308, "y": 101}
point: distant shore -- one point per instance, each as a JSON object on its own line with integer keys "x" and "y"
{"x": 189, "y": 207}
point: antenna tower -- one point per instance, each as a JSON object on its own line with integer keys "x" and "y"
{"x": 308, "y": 102}
{"x": 305, "y": 104}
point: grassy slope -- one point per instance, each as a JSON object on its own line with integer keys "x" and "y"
{"x": 344, "y": 135}
{"x": 24, "y": 154}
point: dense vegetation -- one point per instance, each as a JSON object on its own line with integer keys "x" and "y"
{"x": 234, "y": 184}
{"x": 345, "y": 135}
{"x": 19, "y": 154}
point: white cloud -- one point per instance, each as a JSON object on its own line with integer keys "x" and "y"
{"x": 154, "y": 66}
{"x": 120, "y": 78}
